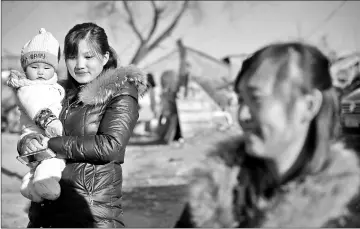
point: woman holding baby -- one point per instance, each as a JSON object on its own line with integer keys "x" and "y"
{"x": 98, "y": 115}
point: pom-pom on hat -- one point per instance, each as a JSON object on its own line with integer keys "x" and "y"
{"x": 41, "y": 48}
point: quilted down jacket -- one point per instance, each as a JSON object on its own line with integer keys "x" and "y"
{"x": 98, "y": 122}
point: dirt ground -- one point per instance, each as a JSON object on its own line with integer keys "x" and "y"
{"x": 154, "y": 179}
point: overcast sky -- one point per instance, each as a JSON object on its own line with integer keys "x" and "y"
{"x": 241, "y": 28}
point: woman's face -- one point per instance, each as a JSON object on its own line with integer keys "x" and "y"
{"x": 87, "y": 65}
{"x": 269, "y": 126}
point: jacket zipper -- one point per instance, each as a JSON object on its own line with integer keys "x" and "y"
{"x": 93, "y": 178}
{"x": 92, "y": 188}
{"x": 68, "y": 109}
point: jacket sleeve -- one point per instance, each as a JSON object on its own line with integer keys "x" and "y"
{"x": 115, "y": 130}
{"x": 28, "y": 126}
{"x": 29, "y": 131}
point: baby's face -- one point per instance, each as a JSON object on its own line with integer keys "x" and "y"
{"x": 39, "y": 71}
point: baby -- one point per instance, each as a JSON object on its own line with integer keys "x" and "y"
{"x": 39, "y": 100}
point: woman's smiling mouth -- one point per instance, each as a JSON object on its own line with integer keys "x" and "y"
{"x": 80, "y": 73}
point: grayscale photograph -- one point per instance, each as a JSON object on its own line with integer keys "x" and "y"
{"x": 180, "y": 114}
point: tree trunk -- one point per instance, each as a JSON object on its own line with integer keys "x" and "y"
{"x": 140, "y": 54}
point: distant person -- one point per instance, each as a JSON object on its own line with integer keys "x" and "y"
{"x": 169, "y": 129}
{"x": 186, "y": 79}
{"x": 151, "y": 80}
{"x": 40, "y": 98}
{"x": 288, "y": 168}
{"x": 99, "y": 113}
{"x": 151, "y": 86}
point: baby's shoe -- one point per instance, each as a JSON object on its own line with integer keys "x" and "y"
{"x": 27, "y": 188}
{"x": 48, "y": 189}
{"x": 54, "y": 129}
{"x": 47, "y": 176}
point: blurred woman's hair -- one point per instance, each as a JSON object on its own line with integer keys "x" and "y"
{"x": 299, "y": 69}
{"x": 97, "y": 40}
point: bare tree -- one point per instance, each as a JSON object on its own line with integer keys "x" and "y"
{"x": 154, "y": 33}
{"x": 326, "y": 20}
{"x": 146, "y": 46}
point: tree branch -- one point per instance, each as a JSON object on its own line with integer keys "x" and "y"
{"x": 157, "y": 13}
{"x": 132, "y": 22}
{"x": 112, "y": 8}
{"x": 328, "y": 18}
{"x": 170, "y": 28}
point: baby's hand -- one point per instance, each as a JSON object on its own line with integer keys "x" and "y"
{"x": 54, "y": 129}
{"x": 13, "y": 80}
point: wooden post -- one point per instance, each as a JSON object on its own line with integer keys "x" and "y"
{"x": 183, "y": 65}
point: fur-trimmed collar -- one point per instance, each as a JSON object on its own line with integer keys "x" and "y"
{"x": 320, "y": 200}
{"x": 111, "y": 82}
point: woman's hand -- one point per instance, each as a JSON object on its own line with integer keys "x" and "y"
{"x": 32, "y": 144}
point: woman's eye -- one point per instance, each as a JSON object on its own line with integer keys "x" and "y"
{"x": 33, "y": 67}
{"x": 89, "y": 57}
{"x": 240, "y": 99}
{"x": 256, "y": 98}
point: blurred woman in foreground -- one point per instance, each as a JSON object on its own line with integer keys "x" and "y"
{"x": 287, "y": 170}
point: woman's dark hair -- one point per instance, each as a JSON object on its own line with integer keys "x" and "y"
{"x": 97, "y": 39}
{"x": 304, "y": 68}
{"x": 59, "y": 54}
{"x": 151, "y": 81}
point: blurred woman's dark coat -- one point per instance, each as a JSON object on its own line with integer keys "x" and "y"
{"x": 329, "y": 198}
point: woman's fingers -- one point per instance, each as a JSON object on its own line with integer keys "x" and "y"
{"x": 40, "y": 138}
{"x": 31, "y": 147}
{"x": 35, "y": 145}
{"x": 26, "y": 151}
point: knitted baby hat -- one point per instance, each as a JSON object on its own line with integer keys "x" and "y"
{"x": 41, "y": 48}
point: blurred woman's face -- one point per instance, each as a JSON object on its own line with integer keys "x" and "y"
{"x": 86, "y": 65}
{"x": 269, "y": 125}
